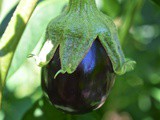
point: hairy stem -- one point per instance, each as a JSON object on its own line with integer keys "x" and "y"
{"x": 11, "y": 37}
{"x": 81, "y": 4}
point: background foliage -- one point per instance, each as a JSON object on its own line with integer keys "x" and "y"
{"x": 135, "y": 95}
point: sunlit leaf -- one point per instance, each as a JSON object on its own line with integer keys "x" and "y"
{"x": 21, "y": 92}
{"x": 45, "y": 11}
{"x": 5, "y": 7}
{"x": 11, "y": 37}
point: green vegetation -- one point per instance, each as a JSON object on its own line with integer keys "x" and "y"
{"x": 135, "y": 95}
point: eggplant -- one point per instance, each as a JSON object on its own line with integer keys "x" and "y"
{"x": 85, "y": 89}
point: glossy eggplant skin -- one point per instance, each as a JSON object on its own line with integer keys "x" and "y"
{"x": 85, "y": 89}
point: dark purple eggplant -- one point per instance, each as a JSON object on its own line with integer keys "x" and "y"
{"x": 84, "y": 90}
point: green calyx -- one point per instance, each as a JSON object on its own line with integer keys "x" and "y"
{"x": 75, "y": 30}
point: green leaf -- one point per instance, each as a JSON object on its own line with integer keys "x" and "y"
{"x": 11, "y": 37}
{"x": 13, "y": 109}
{"x": 5, "y": 7}
{"x": 20, "y": 93}
{"x": 44, "y": 12}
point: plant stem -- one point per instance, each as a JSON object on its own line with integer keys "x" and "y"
{"x": 11, "y": 37}
{"x": 81, "y": 4}
{"x": 132, "y": 7}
